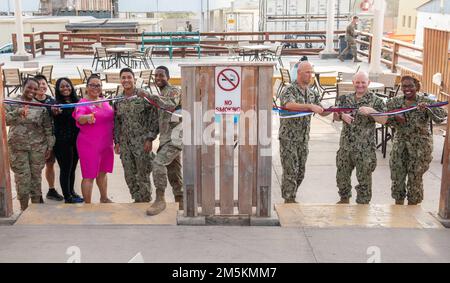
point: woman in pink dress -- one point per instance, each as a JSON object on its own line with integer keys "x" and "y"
{"x": 95, "y": 140}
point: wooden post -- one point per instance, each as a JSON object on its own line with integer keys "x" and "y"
{"x": 14, "y": 42}
{"x": 254, "y": 136}
{"x": 6, "y": 209}
{"x": 41, "y": 35}
{"x": 444, "y": 202}
{"x": 61, "y": 45}
{"x": 394, "y": 60}
{"x": 32, "y": 44}
{"x": 370, "y": 49}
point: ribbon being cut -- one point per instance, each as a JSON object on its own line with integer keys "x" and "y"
{"x": 283, "y": 112}
{"x": 286, "y": 113}
{"x": 175, "y": 112}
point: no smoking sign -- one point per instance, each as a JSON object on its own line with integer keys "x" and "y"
{"x": 228, "y": 90}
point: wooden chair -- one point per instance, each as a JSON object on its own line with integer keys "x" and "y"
{"x": 81, "y": 74}
{"x": 113, "y": 78}
{"x": 389, "y": 82}
{"x": 12, "y": 79}
{"x": 232, "y": 55}
{"x": 47, "y": 72}
{"x": 324, "y": 89}
{"x": 103, "y": 57}
{"x": 285, "y": 80}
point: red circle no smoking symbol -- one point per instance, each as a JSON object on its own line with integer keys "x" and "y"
{"x": 228, "y": 79}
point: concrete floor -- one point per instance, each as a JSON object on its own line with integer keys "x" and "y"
{"x": 177, "y": 244}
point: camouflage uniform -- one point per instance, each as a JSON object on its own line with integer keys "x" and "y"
{"x": 357, "y": 148}
{"x": 294, "y": 137}
{"x": 167, "y": 163}
{"x": 412, "y": 149}
{"x": 134, "y": 118}
{"x": 350, "y": 37}
{"x": 29, "y": 138}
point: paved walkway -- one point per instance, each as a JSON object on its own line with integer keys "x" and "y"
{"x": 176, "y": 244}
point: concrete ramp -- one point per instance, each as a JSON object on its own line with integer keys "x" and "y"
{"x": 96, "y": 214}
{"x": 351, "y": 215}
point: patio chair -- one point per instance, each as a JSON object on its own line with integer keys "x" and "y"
{"x": 244, "y": 53}
{"x": 389, "y": 81}
{"x": 81, "y": 74}
{"x": 232, "y": 55}
{"x": 344, "y": 88}
{"x": 103, "y": 57}
{"x": 139, "y": 83}
{"x": 94, "y": 48}
{"x": 12, "y": 79}
{"x": 47, "y": 72}
{"x": 146, "y": 76}
{"x": 324, "y": 89}
{"x": 113, "y": 78}
{"x": 285, "y": 81}
{"x": 276, "y": 56}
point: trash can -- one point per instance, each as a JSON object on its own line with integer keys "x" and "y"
{"x": 342, "y": 46}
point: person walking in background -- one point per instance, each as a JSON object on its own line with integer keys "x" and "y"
{"x": 66, "y": 133}
{"x": 95, "y": 140}
{"x": 350, "y": 37}
{"x": 30, "y": 142}
{"x": 42, "y": 97}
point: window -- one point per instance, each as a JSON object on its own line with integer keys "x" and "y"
{"x": 404, "y": 21}
{"x": 409, "y": 21}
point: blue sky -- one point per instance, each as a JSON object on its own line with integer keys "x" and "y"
{"x": 27, "y": 5}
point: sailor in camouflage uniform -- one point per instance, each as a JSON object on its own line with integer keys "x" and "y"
{"x": 134, "y": 119}
{"x": 294, "y": 132}
{"x": 350, "y": 37}
{"x": 30, "y": 141}
{"x": 413, "y": 141}
{"x": 167, "y": 163}
{"x": 357, "y": 142}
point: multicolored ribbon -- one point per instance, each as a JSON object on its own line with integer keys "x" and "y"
{"x": 408, "y": 109}
{"x": 62, "y": 106}
{"x": 285, "y": 113}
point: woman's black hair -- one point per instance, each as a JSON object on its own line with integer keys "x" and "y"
{"x": 40, "y": 78}
{"x": 93, "y": 76}
{"x": 27, "y": 80}
{"x": 59, "y": 97}
{"x": 415, "y": 81}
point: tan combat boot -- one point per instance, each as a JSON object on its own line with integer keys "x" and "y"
{"x": 159, "y": 204}
{"x": 399, "y": 201}
{"x": 344, "y": 201}
{"x": 179, "y": 199}
{"x": 357, "y": 60}
{"x": 340, "y": 58}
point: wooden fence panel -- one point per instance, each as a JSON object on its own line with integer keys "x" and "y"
{"x": 6, "y": 209}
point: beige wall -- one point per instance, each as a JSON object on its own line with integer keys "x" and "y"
{"x": 407, "y": 15}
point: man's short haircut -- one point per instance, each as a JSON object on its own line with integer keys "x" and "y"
{"x": 126, "y": 70}
{"x": 165, "y": 70}
{"x": 355, "y": 17}
{"x": 40, "y": 78}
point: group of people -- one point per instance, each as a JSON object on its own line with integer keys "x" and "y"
{"x": 91, "y": 130}
{"x": 412, "y": 146}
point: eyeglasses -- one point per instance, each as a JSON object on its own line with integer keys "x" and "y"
{"x": 94, "y": 85}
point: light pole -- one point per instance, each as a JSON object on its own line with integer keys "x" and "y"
{"x": 329, "y": 52}
{"x": 21, "y": 54}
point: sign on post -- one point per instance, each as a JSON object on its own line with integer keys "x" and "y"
{"x": 228, "y": 90}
